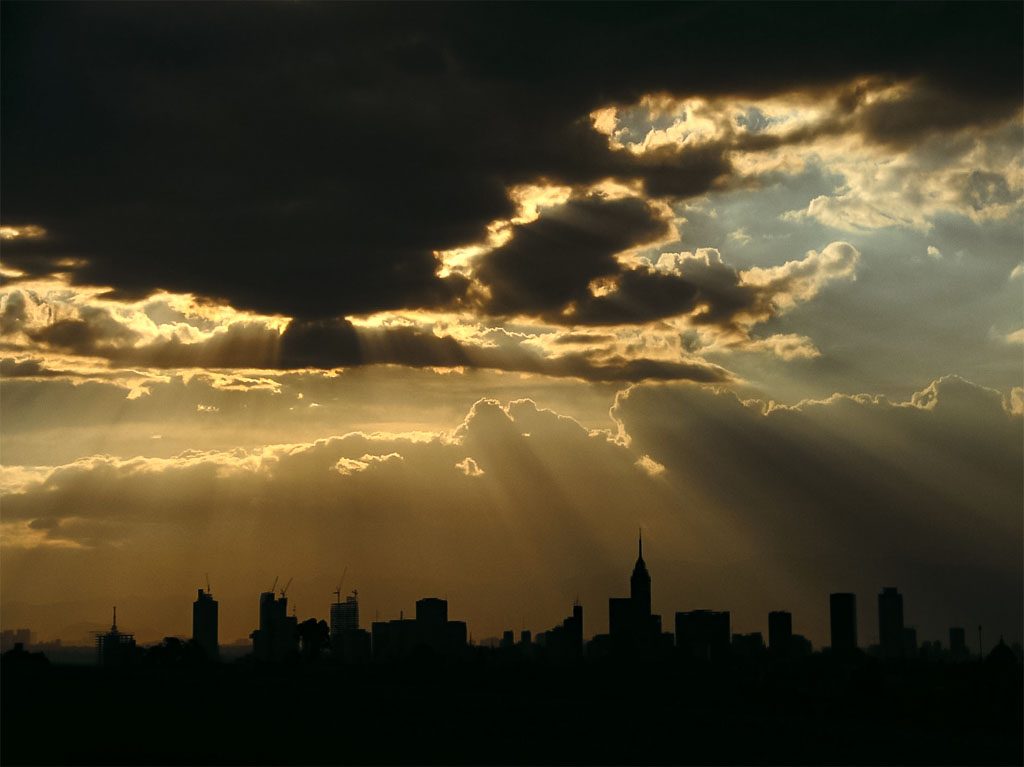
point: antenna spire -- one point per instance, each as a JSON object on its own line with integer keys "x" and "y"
{"x": 640, "y": 532}
{"x": 114, "y": 626}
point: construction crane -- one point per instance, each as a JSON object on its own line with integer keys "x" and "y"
{"x": 284, "y": 591}
{"x": 337, "y": 591}
{"x": 274, "y": 587}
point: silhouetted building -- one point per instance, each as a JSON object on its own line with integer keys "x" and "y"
{"x": 393, "y": 639}
{"x": 780, "y": 632}
{"x": 9, "y": 638}
{"x": 345, "y": 615}
{"x": 349, "y": 643}
{"x": 958, "y": 643}
{"x": 1001, "y": 656}
{"x": 703, "y": 634}
{"x": 800, "y": 646}
{"x": 525, "y": 638}
{"x": 508, "y": 640}
{"x": 204, "y": 624}
{"x": 909, "y": 642}
{"x": 277, "y": 638}
{"x": 431, "y": 632}
{"x": 564, "y": 642}
{"x": 930, "y": 650}
{"x": 115, "y": 648}
{"x": 633, "y": 630}
{"x": 843, "y": 619}
{"x": 890, "y": 623}
{"x": 748, "y": 645}
{"x": 431, "y": 611}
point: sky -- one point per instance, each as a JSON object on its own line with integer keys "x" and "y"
{"x": 455, "y": 299}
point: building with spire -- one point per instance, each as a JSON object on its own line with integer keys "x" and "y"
{"x": 632, "y": 628}
{"x": 115, "y": 648}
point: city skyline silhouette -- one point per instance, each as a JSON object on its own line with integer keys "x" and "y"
{"x": 511, "y": 383}
{"x": 633, "y": 631}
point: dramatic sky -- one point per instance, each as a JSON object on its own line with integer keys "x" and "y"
{"x": 459, "y": 297}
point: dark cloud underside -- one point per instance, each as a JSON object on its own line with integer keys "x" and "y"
{"x": 307, "y": 159}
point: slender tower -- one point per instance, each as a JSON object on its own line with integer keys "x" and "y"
{"x": 640, "y": 584}
{"x": 204, "y": 623}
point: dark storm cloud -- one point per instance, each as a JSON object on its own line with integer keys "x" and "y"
{"x": 29, "y": 368}
{"x": 644, "y": 295}
{"x": 546, "y": 267}
{"x": 550, "y": 262}
{"x": 307, "y": 159}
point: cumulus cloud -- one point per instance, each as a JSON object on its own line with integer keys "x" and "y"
{"x": 700, "y": 285}
{"x": 113, "y": 332}
{"x": 786, "y": 346}
{"x": 796, "y": 281}
{"x": 851, "y": 492}
{"x": 469, "y": 467}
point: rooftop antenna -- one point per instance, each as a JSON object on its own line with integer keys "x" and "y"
{"x": 207, "y": 583}
{"x": 114, "y": 626}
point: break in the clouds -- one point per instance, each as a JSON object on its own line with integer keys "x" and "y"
{"x": 735, "y": 495}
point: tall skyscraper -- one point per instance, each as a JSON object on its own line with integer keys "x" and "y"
{"x": 640, "y": 585}
{"x": 843, "y": 617}
{"x": 890, "y": 623}
{"x": 780, "y": 631}
{"x": 958, "y": 643}
{"x": 204, "y": 624}
{"x": 277, "y": 638}
{"x": 632, "y": 628}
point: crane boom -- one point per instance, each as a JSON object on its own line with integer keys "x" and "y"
{"x": 337, "y": 591}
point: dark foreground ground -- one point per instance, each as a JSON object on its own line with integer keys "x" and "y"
{"x": 810, "y": 712}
